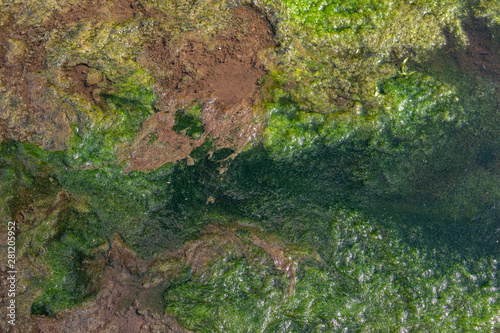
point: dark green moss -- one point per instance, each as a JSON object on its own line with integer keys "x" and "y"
{"x": 222, "y": 154}
{"x": 397, "y": 197}
{"x": 190, "y": 122}
{"x": 202, "y": 151}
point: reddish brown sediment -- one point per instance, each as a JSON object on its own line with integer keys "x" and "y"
{"x": 32, "y": 115}
{"x": 226, "y": 68}
{"x": 231, "y": 127}
{"x": 121, "y": 305}
{"x": 222, "y": 76}
{"x": 481, "y": 56}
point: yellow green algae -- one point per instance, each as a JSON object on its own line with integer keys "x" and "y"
{"x": 374, "y": 283}
{"x": 379, "y": 160}
{"x": 125, "y": 97}
{"x": 489, "y": 9}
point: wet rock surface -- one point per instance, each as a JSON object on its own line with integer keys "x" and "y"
{"x": 121, "y": 305}
{"x": 221, "y": 75}
{"x": 182, "y": 164}
{"x": 226, "y": 67}
{"x": 52, "y": 91}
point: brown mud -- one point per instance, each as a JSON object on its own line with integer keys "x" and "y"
{"x": 95, "y": 11}
{"x": 122, "y": 304}
{"x": 226, "y": 68}
{"x": 481, "y": 57}
{"x": 29, "y": 117}
{"x": 221, "y": 75}
{"x": 232, "y": 128}
{"x": 78, "y": 75}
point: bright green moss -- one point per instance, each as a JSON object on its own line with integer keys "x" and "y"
{"x": 372, "y": 282}
{"x": 225, "y": 301}
{"x": 127, "y": 106}
{"x": 334, "y": 53}
{"x": 292, "y": 130}
{"x": 69, "y": 253}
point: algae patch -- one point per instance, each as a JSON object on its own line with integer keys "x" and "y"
{"x": 367, "y": 201}
{"x": 189, "y": 121}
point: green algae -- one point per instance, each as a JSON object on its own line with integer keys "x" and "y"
{"x": 374, "y": 282}
{"x": 68, "y": 253}
{"x": 490, "y": 10}
{"x": 407, "y": 153}
{"x": 54, "y": 235}
{"x": 226, "y": 301}
{"x": 384, "y": 167}
{"x": 122, "y": 99}
{"x": 189, "y": 121}
{"x": 408, "y": 104}
{"x": 124, "y": 113}
{"x": 421, "y": 169}
{"x": 69, "y": 214}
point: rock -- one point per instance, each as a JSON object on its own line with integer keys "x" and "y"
{"x": 17, "y": 51}
{"x": 94, "y": 77}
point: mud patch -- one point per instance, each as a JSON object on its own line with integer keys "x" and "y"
{"x": 28, "y": 109}
{"x": 94, "y": 11}
{"x": 124, "y": 10}
{"x": 226, "y": 69}
{"x": 158, "y": 142}
{"x": 85, "y": 82}
{"x": 24, "y": 114}
{"x": 130, "y": 299}
{"x": 220, "y": 75}
{"x": 78, "y": 75}
{"x": 117, "y": 307}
